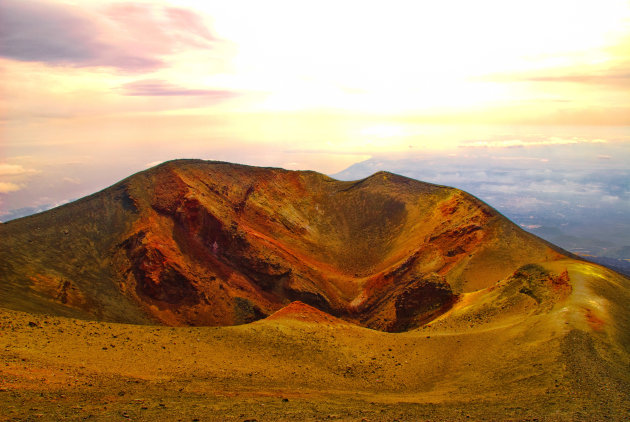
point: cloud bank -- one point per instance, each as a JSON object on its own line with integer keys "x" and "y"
{"x": 518, "y": 143}
{"x": 15, "y": 170}
{"x": 127, "y": 36}
{"x": 6, "y": 187}
{"x": 156, "y": 87}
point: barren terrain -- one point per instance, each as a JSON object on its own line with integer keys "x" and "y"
{"x": 390, "y": 300}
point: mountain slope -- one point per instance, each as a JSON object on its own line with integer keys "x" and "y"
{"x": 192, "y": 242}
{"x": 558, "y": 352}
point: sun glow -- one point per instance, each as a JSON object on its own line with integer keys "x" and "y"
{"x": 489, "y": 58}
{"x": 411, "y": 56}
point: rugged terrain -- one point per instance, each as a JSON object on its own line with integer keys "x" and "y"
{"x": 558, "y": 351}
{"x": 206, "y": 243}
{"x": 293, "y": 296}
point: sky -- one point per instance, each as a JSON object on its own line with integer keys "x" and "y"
{"x": 92, "y": 91}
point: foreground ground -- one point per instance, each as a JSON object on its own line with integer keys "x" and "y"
{"x": 492, "y": 357}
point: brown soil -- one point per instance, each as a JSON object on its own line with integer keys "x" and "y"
{"x": 498, "y": 354}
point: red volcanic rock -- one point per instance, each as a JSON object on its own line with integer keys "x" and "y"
{"x": 302, "y": 312}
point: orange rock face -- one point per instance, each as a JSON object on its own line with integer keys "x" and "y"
{"x": 302, "y": 312}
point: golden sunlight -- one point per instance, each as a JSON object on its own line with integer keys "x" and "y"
{"x": 410, "y": 57}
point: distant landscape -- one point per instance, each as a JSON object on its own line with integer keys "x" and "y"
{"x": 575, "y": 195}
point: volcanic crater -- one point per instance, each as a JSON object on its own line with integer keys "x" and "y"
{"x": 194, "y": 242}
{"x": 383, "y": 299}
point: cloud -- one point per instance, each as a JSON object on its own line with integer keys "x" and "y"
{"x": 497, "y": 188}
{"x": 153, "y": 164}
{"x": 37, "y": 31}
{"x": 616, "y": 75}
{"x": 6, "y": 187}
{"x": 127, "y": 36}
{"x": 517, "y": 143}
{"x": 156, "y": 87}
{"x": 521, "y": 158}
{"x": 163, "y": 29}
{"x": 616, "y": 78}
{"x": 610, "y": 198}
{"x": 72, "y": 180}
{"x": 15, "y": 170}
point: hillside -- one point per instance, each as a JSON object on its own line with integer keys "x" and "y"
{"x": 193, "y": 242}
{"x": 558, "y": 351}
{"x": 379, "y": 299}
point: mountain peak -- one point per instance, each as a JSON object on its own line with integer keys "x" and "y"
{"x": 215, "y": 243}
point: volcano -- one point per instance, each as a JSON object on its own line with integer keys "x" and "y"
{"x": 208, "y": 243}
{"x": 379, "y": 299}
